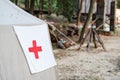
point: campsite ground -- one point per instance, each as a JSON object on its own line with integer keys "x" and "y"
{"x": 93, "y": 65}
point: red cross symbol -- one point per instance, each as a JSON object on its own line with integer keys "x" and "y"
{"x": 35, "y": 49}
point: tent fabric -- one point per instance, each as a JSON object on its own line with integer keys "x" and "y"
{"x": 86, "y": 5}
{"x": 118, "y": 16}
{"x": 11, "y": 14}
{"x": 13, "y": 64}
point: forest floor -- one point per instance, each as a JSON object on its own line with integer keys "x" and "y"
{"x": 96, "y": 64}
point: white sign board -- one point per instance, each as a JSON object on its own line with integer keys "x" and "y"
{"x": 35, "y": 42}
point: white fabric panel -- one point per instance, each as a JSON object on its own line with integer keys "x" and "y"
{"x": 108, "y": 6}
{"x": 37, "y": 39}
{"x": 13, "y": 62}
{"x": 86, "y": 5}
{"x": 11, "y": 14}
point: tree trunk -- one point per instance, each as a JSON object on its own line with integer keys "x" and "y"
{"x": 31, "y": 6}
{"x": 27, "y": 4}
{"x": 49, "y": 7}
{"x": 101, "y": 11}
{"x": 41, "y": 2}
{"x": 79, "y": 12}
{"x": 16, "y": 2}
{"x": 88, "y": 20}
{"x": 112, "y": 16}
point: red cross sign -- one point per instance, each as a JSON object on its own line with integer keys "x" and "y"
{"x": 36, "y": 46}
{"x": 35, "y": 49}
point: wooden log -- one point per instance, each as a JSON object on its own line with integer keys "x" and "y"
{"x": 73, "y": 42}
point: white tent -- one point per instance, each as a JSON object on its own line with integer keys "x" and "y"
{"x": 86, "y": 4}
{"x": 118, "y": 16}
{"x": 12, "y": 61}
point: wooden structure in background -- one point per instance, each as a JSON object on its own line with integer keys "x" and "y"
{"x": 91, "y": 36}
{"x": 112, "y": 15}
{"x": 102, "y": 9}
{"x": 100, "y": 12}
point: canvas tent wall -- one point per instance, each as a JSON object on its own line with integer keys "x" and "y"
{"x": 86, "y": 4}
{"x": 118, "y": 16}
{"x": 11, "y": 14}
{"x": 12, "y": 61}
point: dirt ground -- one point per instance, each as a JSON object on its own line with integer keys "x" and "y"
{"x": 93, "y": 65}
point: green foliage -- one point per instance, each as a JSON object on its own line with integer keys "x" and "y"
{"x": 12, "y": 0}
{"x": 47, "y": 5}
{"x": 53, "y": 5}
{"x": 118, "y": 3}
{"x": 20, "y": 2}
{"x": 66, "y": 7}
